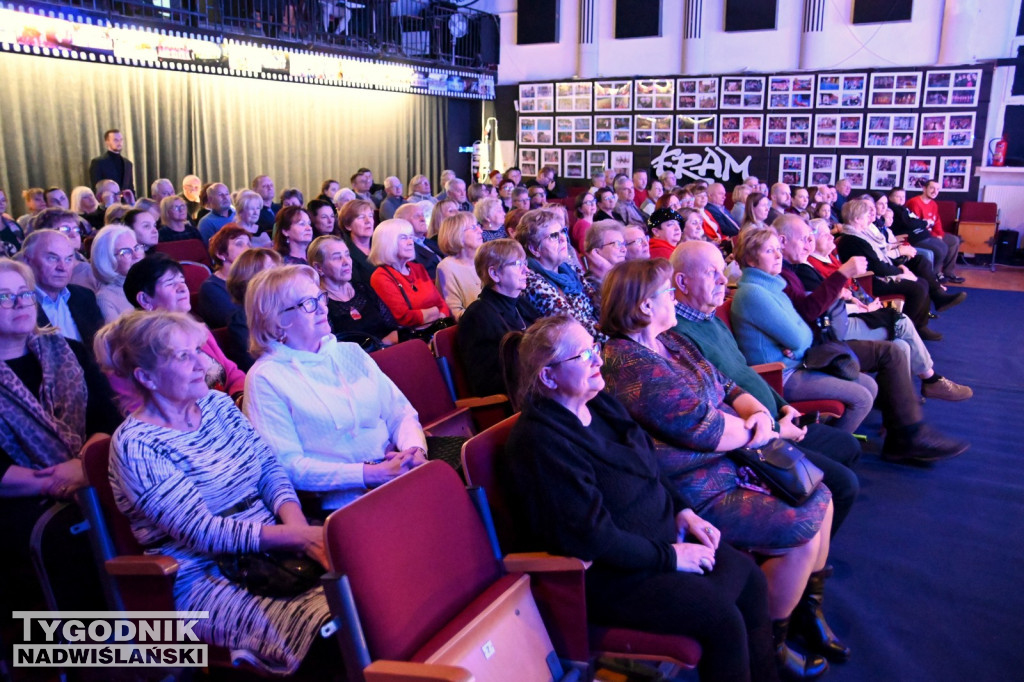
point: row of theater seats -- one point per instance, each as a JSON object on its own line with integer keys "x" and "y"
{"x": 425, "y": 593}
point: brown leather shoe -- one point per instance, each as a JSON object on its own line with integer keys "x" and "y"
{"x": 944, "y": 389}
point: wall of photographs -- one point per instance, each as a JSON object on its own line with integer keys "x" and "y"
{"x": 880, "y": 129}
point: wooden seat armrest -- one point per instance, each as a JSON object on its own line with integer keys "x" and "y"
{"x": 403, "y": 671}
{"x": 159, "y": 565}
{"x": 486, "y": 401}
{"x": 451, "y": 417}
{"x": 538, "y": 562}
{"x": 771, "y": 372}
{"x": 766, "y": 367}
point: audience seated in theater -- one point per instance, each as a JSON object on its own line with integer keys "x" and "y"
{"x": 307, "y": 389}
{"x": 699, "y": 278}
{"x": 90, "y": 214}
{"x": 151, "y": 207}
{"x": 769, "y": 329}
{"x": 71, "y": 308}
{"x": 190, "y": 187}
{"x": 455, "y": 190}
{"x": 114, "y": 251}
{"x": 800, "y": 203}
{"x": 701, "y": 415}
{"x": 782, "y": 201}
{"x": 460, "y": 237}
{"x": 684, "y": 195}
{"x": 943, "y": 245}
{"x": 175, "y": 225}
{"x": 671, "y": 201}
{"x": 446, "y": 175}
{"x": 214, "y": 304}
{"x": 11, "y": 234}
{"x": 505, "y": 190}
{"x": 263, "y": 185}
{"x": 293, "y": 232}
{"x": 668, "y": 180}
{"x": 291, "y": 197}
{"x": 549, "y": 183}
{"x": 654, "y": 192}
{"x": 708, "y": 222}
{"x": 250, "y": 263}
{"x": 442, "y": 210}
{"x": 420, "y": 189}
{"x": 325, "y": 220}
{"x": 888, "y": 262}
{"x": 822, "y": 210}
{"x": 739, "y": 202}
{"x": 356, "y": 220}
{"x": 477, "y": 191}
{"x": 692, "y": 226}
{"x": 143, "y": 224}
{"x": 393, "y": 199}
{"x": 403, "y": 284}
{"x": 415, "y": 213}
{"x": 538, "y": 196}
{"x": 638, "y": 244}
{"x": 514, "y": 174}
{"x": 352, "y": 307}
{"x": 520, "y": 199}
{"x": 68, "y": 224}
{"x": 34, "y": 203}
{"x": 342, "y": 197}
{"x": 839, "y": 195}
{"x": 584, "y": 482}
{"x": 818, "y": 298}
{"x": 221, "y": 212}
{"x": 626, "y": 211}
{"x": 328, "y": 188}
{"x": 365, "y": 189}
{"x": 640, "y": 186}
{"x": 115, "y": 213}
{"x": 756, "y": 213}
{"x": 157, "y": 283}
{"x": 501, "y": 266}
{"x": 606, "y": 199}
{"x": 53, "y": 403}
{"x": 512, "y": 219}
{"x": 665, "y": 227}
{"x": 554, "y": 285}
{"x": 197, "y": 482}
{"x": 490, "y": 213}
{"x": 586, "y": 209}
{"x": 160, "y": 189}
{"x": 604, "y": 247}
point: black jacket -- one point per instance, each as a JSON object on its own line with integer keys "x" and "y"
{"x": 84, "y": 311}
{"x": 106, "y": 167}
{"x": 480, "y": 331}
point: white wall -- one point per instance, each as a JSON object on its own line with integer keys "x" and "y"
{"x": 982, "y": 29}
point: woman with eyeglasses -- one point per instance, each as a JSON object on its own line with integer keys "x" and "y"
{"x": 114, "y": 252}
{"x": 460, "y": 237}
{"x": 553, "y": 284}
{"x": 293, "y": 232}
{"x": 501, "y": 266}
{"x": 335, "y": 421}
{"x": 404, "y": 285}
{"x": 586, "y": 209}
{"x": 702, "y": 415}
{"x": 53, "y": 401}
{"x": 174, "y": 223}
{"x": 585, "y": 482}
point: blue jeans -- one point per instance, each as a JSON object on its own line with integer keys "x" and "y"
{"x": 856, "y": 396}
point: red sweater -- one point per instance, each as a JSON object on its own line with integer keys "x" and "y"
{"x": 661, "y": 248}
{"x": 389, "y": 284}
{"x": 927, "y": 211}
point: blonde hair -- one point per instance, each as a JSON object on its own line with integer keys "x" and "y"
{"x": 104, "y": 260}
{"x": 384, "y": 247}
{"x": 749, "y": 241}
{"x": 451, "y": 238}
{"x": 436, "y": 216}
{"x": 248, "y": 264}
{"x": 268, "y": 294}
{"x": 494, "y": 254}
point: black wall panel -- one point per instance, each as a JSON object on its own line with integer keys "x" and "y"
{"x": 536, "y": 22}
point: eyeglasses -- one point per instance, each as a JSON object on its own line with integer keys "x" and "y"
{"x": 659, "y": 292}
{"x": 588, "y": 202}
{"x": 518, "y": 263}
{"x": 560, "y": 235}
{"x": 309, "y": 305}
{"x": 642, "y": 241}
{"x": 618, "y": 244}
{"x": 588, "y": 355}
{"x": 20, "y": 300}
{"x": 129, "y": 250}
{"x": 70, "y": 229}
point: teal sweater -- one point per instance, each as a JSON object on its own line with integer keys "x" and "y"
{"x": 716, "y": 343}
{"x": 765, "y": 322}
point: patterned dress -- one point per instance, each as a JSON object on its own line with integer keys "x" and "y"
{"x": 681, "y": 402}
{"x": 172, "y": 484}
{"x": 547, "y": 300}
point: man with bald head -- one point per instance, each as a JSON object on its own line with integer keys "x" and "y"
{"x": 70, "y": 308}
{"x": 781, "y": 201}
{"x": 699, "y": 278}
{"x": 218, "y": 200}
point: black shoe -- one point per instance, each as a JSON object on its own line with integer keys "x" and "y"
{"x": 947, "y": 301}
{"x": 929, "y": 334}
{"x": 792, "y": 665}
{"x": 928, "y": 445}
{"x": 810, "y": 624}
{"x": 954, "y": 279}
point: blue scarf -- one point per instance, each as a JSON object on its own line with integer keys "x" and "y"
{"x": 565, "y": 278}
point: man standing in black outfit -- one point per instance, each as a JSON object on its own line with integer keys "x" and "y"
{"x": 111, "y": 165}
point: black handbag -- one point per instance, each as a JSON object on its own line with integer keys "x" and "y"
{"x": 833, "y": 357}
{"x": 789, "y": 474}
{"x": 271, "y": 574}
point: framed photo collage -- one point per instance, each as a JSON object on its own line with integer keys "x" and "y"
{"x": 879, "y": 129}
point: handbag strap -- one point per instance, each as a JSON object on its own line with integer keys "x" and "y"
{"x": 401, "y": 289}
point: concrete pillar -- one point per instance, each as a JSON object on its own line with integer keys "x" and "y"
{"x": 959, "y": 19}
{"x": 586, "y": 55}
{"x": 693, "y": 38}
{"x": 814, "y": 49}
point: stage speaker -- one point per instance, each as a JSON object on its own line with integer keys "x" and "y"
{"x": 490, "y": 38}
{"x": 637, "y": 18}
{"x": 537, "y": 22}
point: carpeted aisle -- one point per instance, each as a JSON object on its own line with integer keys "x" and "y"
{"x": 929, "y": 581}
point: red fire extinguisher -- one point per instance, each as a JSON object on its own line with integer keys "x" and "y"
{"x": 998, "y": 150}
